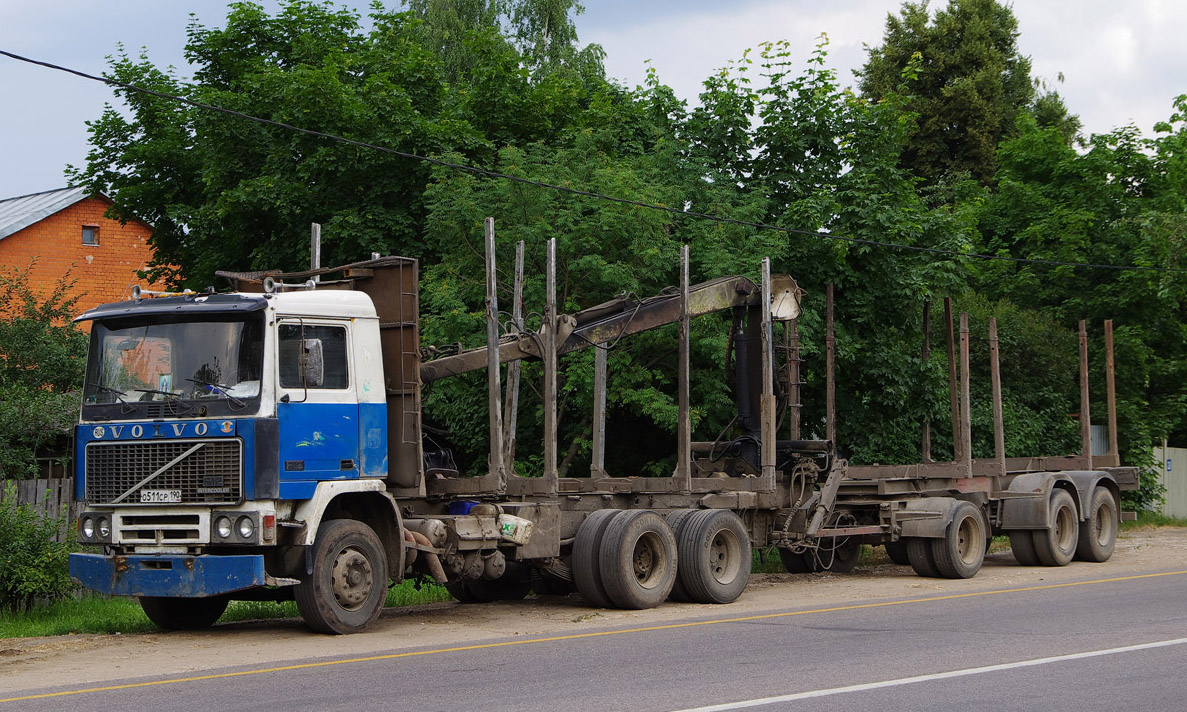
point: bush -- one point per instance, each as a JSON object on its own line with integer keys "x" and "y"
{"x": 33, "y": 567}
{"x": 42, "y": 360}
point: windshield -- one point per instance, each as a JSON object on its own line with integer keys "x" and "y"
{"x": 153, "y": 368}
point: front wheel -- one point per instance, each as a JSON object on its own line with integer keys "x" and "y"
{"x": 184, "y": 613}
{"x": 348, "y": 586}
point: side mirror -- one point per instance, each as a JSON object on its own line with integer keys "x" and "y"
{"x": 313, "y": 363}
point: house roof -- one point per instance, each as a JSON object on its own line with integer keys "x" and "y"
{"x": 21, "y": 212}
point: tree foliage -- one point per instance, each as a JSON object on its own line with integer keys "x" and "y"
{"x": 42, "y": 358}
{"x": 967, "y": 83}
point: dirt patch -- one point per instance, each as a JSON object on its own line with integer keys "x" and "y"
{"x": 80, "y": 660}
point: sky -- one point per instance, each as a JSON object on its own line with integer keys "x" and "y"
{"x": 1120, "y": 62}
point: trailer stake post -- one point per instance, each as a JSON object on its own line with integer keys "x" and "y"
{"x": 494, "y": 387}
{"x": 999, "y": 430}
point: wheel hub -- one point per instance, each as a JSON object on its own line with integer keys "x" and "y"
{"x": 352, "y": 578}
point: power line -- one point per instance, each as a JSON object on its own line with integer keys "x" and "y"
{"x": 818, "y": 234}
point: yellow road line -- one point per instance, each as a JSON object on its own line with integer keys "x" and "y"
{"x": 579, "y": 636}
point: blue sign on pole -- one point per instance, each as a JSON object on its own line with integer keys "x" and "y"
{"x": 1168, "y": 464}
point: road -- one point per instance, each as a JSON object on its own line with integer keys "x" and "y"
{"x": 1080, "y": 638}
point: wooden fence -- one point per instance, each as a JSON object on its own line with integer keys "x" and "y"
{"x": 49, "y": 496}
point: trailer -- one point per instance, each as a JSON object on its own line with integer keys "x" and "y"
{"x": 268, "y": 443}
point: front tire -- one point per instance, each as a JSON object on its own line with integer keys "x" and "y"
{"x": 184, "y": 613}
{"x": 348, "y": 587}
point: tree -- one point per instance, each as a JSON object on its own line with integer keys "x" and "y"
{"x": 1120, "y": 202}
{"x": 224, "y": 192}
{"x": 970, "y": 86}
{"x": 42, "y": 359}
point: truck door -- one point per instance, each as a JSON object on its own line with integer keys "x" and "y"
{"x": 317, "y": 407}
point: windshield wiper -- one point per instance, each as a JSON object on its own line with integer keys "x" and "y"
{"x": 107, "y": 389}
{"x": 219, "y": 389}
{"x": 170, "y": 394}
{"x": 125, "y": 406}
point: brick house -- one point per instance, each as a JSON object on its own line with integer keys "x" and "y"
{"x": 66, "y": 230}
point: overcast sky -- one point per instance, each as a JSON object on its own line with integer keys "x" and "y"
{"x": 1121, "y": 61}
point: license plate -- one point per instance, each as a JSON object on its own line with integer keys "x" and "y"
{"x": 160, "y": 496}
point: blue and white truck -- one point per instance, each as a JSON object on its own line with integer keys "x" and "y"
{"x": 267, "y": 443}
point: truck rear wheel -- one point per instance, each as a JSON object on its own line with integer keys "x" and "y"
{"x": 638, "y": 559}
{"x": 1098, "y": 533}
{"x": 960, "y": 552}
{"x": 587, "y": 545}
{"x": 348, "y": 587}
{"x": 714, "y": 556}
{"x": 1056, "y": 545}
{"x": 184, "y": 613}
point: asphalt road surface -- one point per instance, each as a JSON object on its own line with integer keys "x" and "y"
{"x": 1094, "y": 642}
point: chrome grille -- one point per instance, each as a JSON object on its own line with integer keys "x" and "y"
{"x": 212, "y": 474}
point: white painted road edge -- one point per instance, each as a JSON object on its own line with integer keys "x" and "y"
{"x": 758, "y": 702}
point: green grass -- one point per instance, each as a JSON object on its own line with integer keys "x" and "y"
{"x": 99, "y": 614}
{"x": 1152, "y": 520}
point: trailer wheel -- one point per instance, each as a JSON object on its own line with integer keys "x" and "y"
{"x": 897, "y": 551}
{"x": 348, "y": 587}
{"x": 962, "y": 549}
{"x": 1098, "y": 533}
{"x": 587, "y": 545}
{"x": 1022, "y": 545}
{"x": 676, "y": 520}
{"x": 184, "y": 613}
{"x": 714, "y": 556}
{"x": 920, "y": 555}
{"x": 638, "y": 559}
{"x": 1057, "y": 545}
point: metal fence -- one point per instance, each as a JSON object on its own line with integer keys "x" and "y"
{"x": 1174, "y": 478}
{"x": 49, "y": 496}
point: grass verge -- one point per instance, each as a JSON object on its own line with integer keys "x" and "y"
{"x": 1152, "y": 520}
{"x": 100, "y": 614}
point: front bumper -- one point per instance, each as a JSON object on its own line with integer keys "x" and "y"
{"x": 172, "y": 576}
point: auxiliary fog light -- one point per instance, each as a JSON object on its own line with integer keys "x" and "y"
{"x": 247, "y": 528}
{"x": 222, "y": 527}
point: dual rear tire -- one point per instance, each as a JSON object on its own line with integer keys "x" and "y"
{"x": 635, "y": 559}
{"x": 1067, "y": 538}
{"x": 956, "y": 555}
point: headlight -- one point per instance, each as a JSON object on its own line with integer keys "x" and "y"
{"x": 88, "y": 528}
{"x": 222, "y": 527}
{"x": 246, "y": 527}
{"x": 104, "y": 527}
